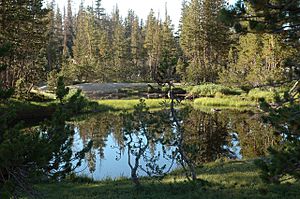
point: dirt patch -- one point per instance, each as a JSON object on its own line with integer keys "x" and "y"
{"x": 110, "y": 90}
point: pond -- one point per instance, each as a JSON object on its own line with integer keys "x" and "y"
{"x": 154, "y": 140}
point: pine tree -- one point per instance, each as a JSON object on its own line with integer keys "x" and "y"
{"x": 129, "y": 38}
{"x": 83, "y": 52}
{"x": 55, "y": 35}
{"x": 137, "y": 49}
{"x": 23, "y": 26}
{"x": 68, "y": 32}
{"x": 99, "y": 11}
{"x": 59, "y": 38}
{"x": 279, "y": 17}
{"x": 100, "y": 27}
{"x": 204, "y": 39}
{"x": 118, "y": 46}
{"x": 152, "y": 43}
{"x": 257, "y": 60}
{"x": 169, "y": 54}
{"x": 51, "y": 43}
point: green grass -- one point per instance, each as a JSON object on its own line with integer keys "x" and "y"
{"x": 232, "y": 101}
{"x": 120, "y": 105}
{"x": 210, "y": 90}
{"x": 256, "y": 94}
{"x": 233, "y": 179}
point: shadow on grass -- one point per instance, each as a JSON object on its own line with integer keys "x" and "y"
{"x": 228, "y": 167}
{"x": 123, "y": 189}
{"x": 28, "y": 112}
{"x": 215, "y": 187}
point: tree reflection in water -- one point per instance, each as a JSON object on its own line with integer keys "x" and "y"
{"x": 145, "y": 138}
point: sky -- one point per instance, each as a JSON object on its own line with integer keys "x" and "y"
{"x": 140, "y": 7}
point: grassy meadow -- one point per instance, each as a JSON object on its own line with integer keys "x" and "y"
{"x": 217, "y": 180}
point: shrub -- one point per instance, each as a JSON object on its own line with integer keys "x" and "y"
{"x": 52, "y": 80}
{"x": 256, "y": 94}
{"x": 210, "y": 90}
{"x": 219, "y": 95}
{"x": 29, "y": 153}
{"x": 72, "y": 177}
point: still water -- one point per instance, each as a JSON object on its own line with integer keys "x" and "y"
{"x": 154, "y": 139}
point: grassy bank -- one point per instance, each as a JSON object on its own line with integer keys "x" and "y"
{"x": 232, "y": 101}
{"x": 228, "y": 102}
{"x": 28, "y": 111}
{"x": 128, "y": 104}
{"x": 236, "y": 179}
{"x": 31, "y": 111}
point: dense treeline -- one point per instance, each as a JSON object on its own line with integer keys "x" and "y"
{"x": 101, "y": 47}
{"x": 22, "y": 35}
{"x": 92, "y": 45}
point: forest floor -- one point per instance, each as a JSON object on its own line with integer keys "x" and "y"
{"x": 218, "y": 180}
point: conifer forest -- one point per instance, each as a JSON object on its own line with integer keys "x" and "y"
{"x": 95, "y": 103}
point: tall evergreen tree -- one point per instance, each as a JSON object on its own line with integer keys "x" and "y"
{"x": 83, "y": 56}
{"x": 118, "y": 46}
{"x": 128, "y": 25}
{"x": 278, "y": 17}
{"x": 68, "y": 32}
{"x": 23, "y": 26}
{"x": 152, "y": 43}
{"x": 204, "y": 39}
{"x": 137, "y": 49}
{"x": 257, "y": 60}
{"x": 59, "y": 38}
{"x": 99, "y": 11}
{"x": 55, "y": 35}
{"x": 169, "y": 54}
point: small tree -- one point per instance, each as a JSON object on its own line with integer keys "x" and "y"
{"x": 142, "y": 132}
{"x": 61, "y": 90}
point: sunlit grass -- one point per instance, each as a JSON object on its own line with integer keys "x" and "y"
{"x": 225, "y": 102}
{"x": 45, "y": 94}
{"x": 129, "y": 104}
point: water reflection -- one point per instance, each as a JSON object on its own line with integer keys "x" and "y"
{"x": 255, "y": 137}
{"x": 207, "y": 137}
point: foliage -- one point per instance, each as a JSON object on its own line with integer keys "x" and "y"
{"x": 5, "y": 93}
{"x": 204, "y": 40}
{"x": 54, "y": 49}
{"x": 278, "y": 19}
{"x": 25, "y": 60}
{"x": 27, "y": 154}
{"x": 68, "y": 34}
{"x": 257, "y": 60}
{"x": 52, "y": 79}
{"x": 61, "y": 90}
{"x": 77, "y": 102}
{"x": 283, "y": 160}
{"x": 257, "y": 94}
